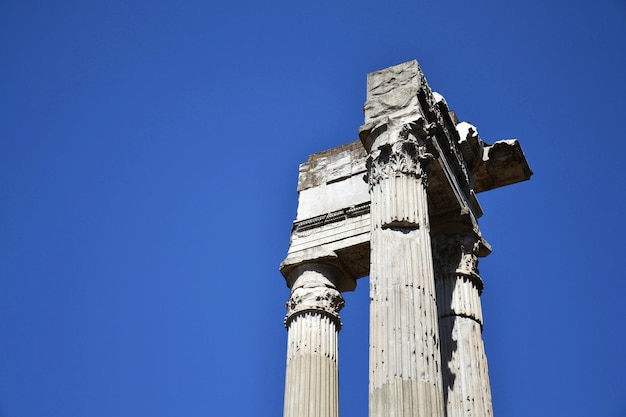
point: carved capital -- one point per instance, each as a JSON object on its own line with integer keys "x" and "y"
{"x": 314, "y": 291}
{"x": 409, "y": 153}
{"x": 457, "y": 255}
{"x": 326, "y": 301}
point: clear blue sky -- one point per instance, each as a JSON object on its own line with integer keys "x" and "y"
{"x": 149, "y": 155}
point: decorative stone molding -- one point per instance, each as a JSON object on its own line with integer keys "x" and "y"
{"x": 314, "y": 291}
{"x": 406, "y": 157}
{"x": 458, "y": 255}
{"x": 333, "y": 217}
{"x": 398, "y": 173}
{"x": 455, "y": 260}
{"x": 326, "y": 301}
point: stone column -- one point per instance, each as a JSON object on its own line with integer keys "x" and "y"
{"x": 311, "y": 385}
{"x": 405, "y": 372}
{"x": 464, "y": 364}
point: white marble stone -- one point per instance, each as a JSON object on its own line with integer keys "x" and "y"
{"x": 464, "y": 363}
{"x": 401, "y": 206}
{"x": 312, "y": 381}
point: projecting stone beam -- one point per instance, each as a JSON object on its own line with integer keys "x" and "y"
{"x": 492, "y": 166}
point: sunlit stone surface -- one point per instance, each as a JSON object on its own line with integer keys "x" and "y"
{"x": 400, "y": 206}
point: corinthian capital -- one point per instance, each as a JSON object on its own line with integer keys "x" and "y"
{"x": 314, "y": 291}
{"x": 457, "y": 254}
{"x": 408, "y": 151}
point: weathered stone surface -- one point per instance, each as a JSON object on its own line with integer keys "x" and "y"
{"x": 401, "y": 206}
{"x": 405, "y": 370}
{"x": 463, "y": 360}
{"x": 392, "y": 93}
{"x": 313, "y": 288}
{"x": 503, "y": 163}
{"x": 332, "y": 222}
{"x": 492, "y": 166}
{"x": 341, "y": 238}
{"x": 466, "y": 381}
{"x": 332, "y": 180}
{"x": 312, "y": 381}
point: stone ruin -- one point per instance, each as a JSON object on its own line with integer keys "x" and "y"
{"x": 399, "y": 205}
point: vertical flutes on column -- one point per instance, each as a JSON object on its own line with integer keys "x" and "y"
{"x": 464, "y": 364}
{"x": 313, "y": 323}
{"x": 405, "y": 371}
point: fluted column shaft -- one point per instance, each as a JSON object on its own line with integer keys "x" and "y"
{"x": 464, "y": 364}
{"x": 311, "y": 385}
{"x": 405, "y": 376}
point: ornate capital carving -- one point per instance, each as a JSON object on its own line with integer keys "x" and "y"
{"x": 314, "y": 292}
{"x": 456, "y": 255}
{"x": 323, "y": 300}
{"x": 408, "y": 154}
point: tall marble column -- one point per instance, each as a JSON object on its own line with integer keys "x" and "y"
{"x": 464, "y": 363}
{"x": 405, "y": 371}
{"x": 405, "y": 375}
{"x": 313, "y": 323}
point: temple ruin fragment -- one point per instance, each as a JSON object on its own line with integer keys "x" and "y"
{"x": 399, "y": 206}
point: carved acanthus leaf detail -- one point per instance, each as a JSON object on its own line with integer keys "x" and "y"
{"x": 455, "y": 254}
{"x": 323, "y": 300}
{"x": 410, "y": 154}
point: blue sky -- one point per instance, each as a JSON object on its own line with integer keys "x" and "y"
{"x": 149, "y": 156}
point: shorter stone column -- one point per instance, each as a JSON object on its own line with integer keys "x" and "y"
{"x": 463, "y": 360}
{"x": 313, "y": 323}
